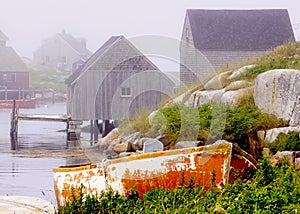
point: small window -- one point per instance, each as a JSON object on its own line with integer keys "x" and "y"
{"x": 47, "y": 59}
{"x": 11, "y": 77}
{"x": 126, "y": 92}
{"x": 78, "y": 65}
{"x": 63, "y": 59}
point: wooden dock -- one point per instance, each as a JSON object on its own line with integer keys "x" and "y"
{"x": 72, "y": 127}
{"x": 45, "y": 117}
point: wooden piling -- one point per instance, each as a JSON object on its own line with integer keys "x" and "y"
{"x": 96, "y": 130}
{"x": 74, "y": 130}
{"x": 105, "y": 128}
{"x": 14, "y": 127}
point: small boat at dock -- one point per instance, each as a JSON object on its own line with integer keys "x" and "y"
{"x": 8, "y": 104}
{"x": 163, "y": 170}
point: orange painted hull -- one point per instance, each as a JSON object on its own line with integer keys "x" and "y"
{"x": 163, "y": 170}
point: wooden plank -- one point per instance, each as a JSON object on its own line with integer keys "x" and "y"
{"x": 44, "y": 117}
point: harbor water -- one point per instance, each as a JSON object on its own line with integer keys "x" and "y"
{"x": 41, "y": 147}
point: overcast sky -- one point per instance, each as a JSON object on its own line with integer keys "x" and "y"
{"x": 28, "y": 22}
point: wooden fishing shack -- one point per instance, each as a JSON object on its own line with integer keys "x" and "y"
{"x": 117, "y": 81}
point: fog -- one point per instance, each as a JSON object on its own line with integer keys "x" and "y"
{"x": 27, "y": 23}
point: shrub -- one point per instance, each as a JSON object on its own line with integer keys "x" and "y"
{"x": 214, "y": 121}
{"x": 286, "y": 142}
{"x": 272, "y": 189}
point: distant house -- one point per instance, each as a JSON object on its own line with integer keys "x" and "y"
{"x": 14, "y": 75}
{"x": 115, "y": 82}
{"x": 61, "y": 51}
{"x": 212, "y": 39}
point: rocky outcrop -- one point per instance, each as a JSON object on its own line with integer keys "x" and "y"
{"x": 199, "y": 98}
{"x": 230, "y": 97}
{"x": 270, "y": 135}
{"x": 240, "y": 71}
{"x": 236, "y": 97}
{"x": 217, "y": 82}
{"x": 238, "y": 85}
{"x": 277, "y": 92}
{"x": 291, "y": 157}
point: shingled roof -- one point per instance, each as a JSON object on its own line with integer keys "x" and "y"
{"x": 236, "y": 30}
{"x": 3, "y": 37}
{"x": 75, "y": 43}
{"x": 10, "y": 60}
{"x": 109, "y": 43}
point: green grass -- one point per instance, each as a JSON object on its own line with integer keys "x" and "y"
{"x": 286, "y": 142}
{"x": 271, "y": 189}
{"x": 49, "y": 79}
{"x": 282, "y": 57}
{"x": 207, "y": 123}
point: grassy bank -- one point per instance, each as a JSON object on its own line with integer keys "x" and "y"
{"x": 49, "y": 79}
{"x": 272, "y": 189}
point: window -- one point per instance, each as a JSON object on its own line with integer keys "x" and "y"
{"x": 78, "y": 66}
{"x": 47, "y": 59}
{"x": 10, "y": 77}
{"x": 126, "y": 92}
{"x": 62, "y": 59}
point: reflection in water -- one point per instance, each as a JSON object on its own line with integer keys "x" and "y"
{"x": 28, "y": 171}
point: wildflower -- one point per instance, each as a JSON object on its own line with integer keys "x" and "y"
{"x": 127, "y": 193}
{"x": 220, "y": 185}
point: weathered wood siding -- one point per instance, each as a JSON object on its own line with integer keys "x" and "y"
{"x": 96, "y": 93}
{"x": 194, "y": 66}
{"x": 148, "y": 88}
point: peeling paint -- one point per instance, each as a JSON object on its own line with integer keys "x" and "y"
{"x": 163, "y": 170}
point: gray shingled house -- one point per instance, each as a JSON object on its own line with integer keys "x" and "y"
{"x": 212, "y": 39}
{"x": 115, "y": 82}
{"x": 61, "y": 51}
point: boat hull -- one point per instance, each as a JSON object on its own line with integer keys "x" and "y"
{"x": 19, "y": 104}
{"x": 162, "y": 170}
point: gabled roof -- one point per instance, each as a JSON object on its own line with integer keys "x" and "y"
{"x": 10, "y": 60}
{"x": 240, "y": 29}
{"x": 3, "y": 37}
{"x": 75, "y": 43}
{"x": 109, "y": 43}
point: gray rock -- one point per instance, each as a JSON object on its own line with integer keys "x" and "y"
{"x": 199, "y": 98}
{"x": 125, "y": 154}
{"x": 295, "y": 118}
{"x": 133, "y": 140}
{"x": 297, "y": 163}
{"x": 152, "y": 145}
{"x": 261, "y": 135}
{"x": 272, "y": 134}
{"x": 163, "y": 139}
{"x": 235, "y": 98}
{"x": 217, "y": 82}
{"x": 240, "y": 71}
{"x": 276, "y": 92}
{"x": 122, "y": 147}
{"x": 279, "y": 157}
{"x": 186, "y": 144}
{"x": 238, "y": 85}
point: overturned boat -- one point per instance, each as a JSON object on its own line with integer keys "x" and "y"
{"x": 163, "y": 170}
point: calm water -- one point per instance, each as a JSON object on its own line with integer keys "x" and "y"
{"x": 28, "y": 171}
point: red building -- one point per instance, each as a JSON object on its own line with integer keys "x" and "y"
{"x": 14, "y": 75}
